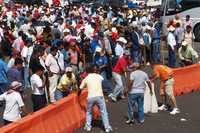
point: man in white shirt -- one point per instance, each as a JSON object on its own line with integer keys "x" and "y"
{"x": 54, "y": 71}
{"x": 171, "y": 42}
{"x": 95, "y": 96}
{"x": 119, "y": 50}
{"x": 14, "y": 103}
{"x": 38, "y": 89}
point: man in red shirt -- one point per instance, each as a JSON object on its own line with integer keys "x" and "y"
{"x": 118, "y": 71}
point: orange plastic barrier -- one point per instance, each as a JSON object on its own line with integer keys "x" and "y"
{"x": 65, "y": 116}
{"x": 83, "y": 104}
{"x": 187, "y": 79}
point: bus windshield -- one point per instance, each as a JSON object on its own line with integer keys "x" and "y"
{"x": 171, "y": 7}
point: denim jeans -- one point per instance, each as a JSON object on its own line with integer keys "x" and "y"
{"x": 102, "y": 106}
{"x": 134, "y": 99}
{"x": 60, "y": 94}
{"x": 26, "y": 77}
{"x": 156, "y": 56}
{"x": 107, "y": 86}
{"x": 171, "y": 57}
{"x": 136, "y": 56}
{"x": 3, "y": 87}
{"x": 119, "y": 88}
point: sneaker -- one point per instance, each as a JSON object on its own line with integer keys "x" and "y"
{"x": 113, "y": 99}
{"x": 175, "y": 111}
{"x": 108, "y": 130}
{"x": 88, "y": 129}
{"x": 129, "y": 121}
{"x": 122, "y": 97}
{"x": 141, "y": 122}
{"x": 162, "y": 107}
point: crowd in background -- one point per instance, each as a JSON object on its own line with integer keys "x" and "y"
{"x": 48, "y": 49}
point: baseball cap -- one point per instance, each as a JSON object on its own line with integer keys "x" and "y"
{"x": 15, "y": 85}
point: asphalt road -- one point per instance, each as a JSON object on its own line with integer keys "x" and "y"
{"x": 161, "y": 122}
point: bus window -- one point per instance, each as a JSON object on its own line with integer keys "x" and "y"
{"x": 171, "y": 6}
{"x": 188, "y": 4}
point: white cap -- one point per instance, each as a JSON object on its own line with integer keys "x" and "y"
{"x": 184, "y": 43}
{"x": 55, "y": 24}
{"x": 15, "y": 84}
{"x": 98, "y": 49}
{"x": 66, "y": 31}
{"x": 114, "y": 29}
{"x": 122, "y": 39}
{"x": 68, "y": 69}
{"x": 134, "y": 24}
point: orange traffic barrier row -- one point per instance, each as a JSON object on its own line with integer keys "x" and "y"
{"x": 187, "y": 79}
{"x": 64, "y": 116}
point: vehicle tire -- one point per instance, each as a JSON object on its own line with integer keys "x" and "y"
{"x": 196, "y": 32}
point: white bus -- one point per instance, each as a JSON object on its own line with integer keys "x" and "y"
{"x": 170, "y": 8}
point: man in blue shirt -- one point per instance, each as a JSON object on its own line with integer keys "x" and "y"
{"x": 3, "y": 76}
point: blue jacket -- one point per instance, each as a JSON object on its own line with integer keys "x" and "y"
{"x": 3, "y": 72}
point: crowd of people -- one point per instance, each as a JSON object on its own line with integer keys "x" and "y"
{"x": 55, "y": 51}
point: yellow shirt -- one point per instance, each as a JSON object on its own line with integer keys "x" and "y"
{"x": 94, "y": 84}
{"x": 65, "y": 81}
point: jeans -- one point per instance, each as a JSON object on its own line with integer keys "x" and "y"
{"x": 136, "y": 56}
{"x": 119, "y": 88}
{"x": 60, "y": 94}
{"x": 3, "y": 87}
{"x": 138, "y": 99}
{"x": 156, "y": 51}
{"x": 26, "y": 77}
{"x": 171, "y": 57}
{"x": 107, "y": 86}
{"x": 102, "y": 106}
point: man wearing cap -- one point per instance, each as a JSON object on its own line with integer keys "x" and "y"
{"x": 119, "y": 49}
{"x": 171, "y": 42}
{"x": 66, "y": 84}
{"x": 135, "y": 91}
{"x": 14, "y": 104}
{"x": 118, "y": 71}
{"x": 187, "y": 55}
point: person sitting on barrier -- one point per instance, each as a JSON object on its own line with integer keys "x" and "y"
{"x": 14, "y": 104}
{"x": 187, "y": 55}
{"x": 67, "y": 84}
{"x": 167, "y": 82}
{"x": 95, "y": 96}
